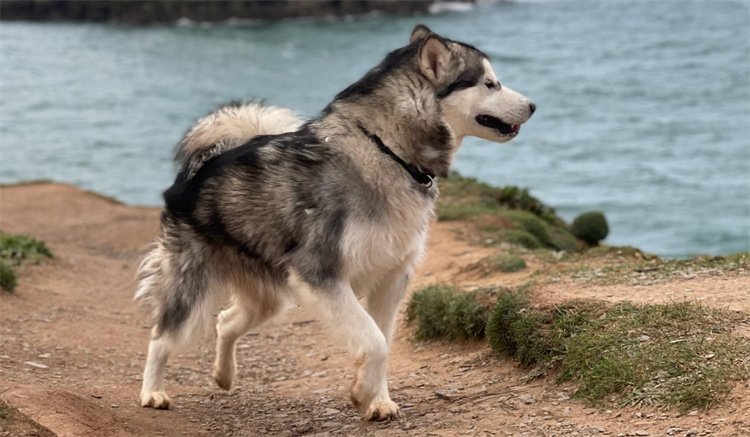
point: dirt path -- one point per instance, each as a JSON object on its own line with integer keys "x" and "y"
{"x": 72, "y": 348}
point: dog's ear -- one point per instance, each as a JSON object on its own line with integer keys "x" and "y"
{"x": 420, "y": 32}
{"x": 434, "y": 57}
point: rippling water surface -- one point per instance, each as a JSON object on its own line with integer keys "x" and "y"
{"x": 643, "y": 107}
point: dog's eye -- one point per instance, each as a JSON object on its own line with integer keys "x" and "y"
{"x": 492, "y": 85}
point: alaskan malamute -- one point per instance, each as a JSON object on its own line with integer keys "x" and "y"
{"x": 269, "y": 209}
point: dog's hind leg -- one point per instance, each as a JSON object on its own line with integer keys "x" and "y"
{"x": 244, "y": 314}
{"x": 152, "y": 390}
{"x": 339, "y": 308}
{"x": 176, "y": 284}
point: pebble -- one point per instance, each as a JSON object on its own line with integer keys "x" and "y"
{"x": 526, "y": 399}
{"x": 444, "y": 394}
{"x": 641, "y": 433}
{"x": 37, "y": 365}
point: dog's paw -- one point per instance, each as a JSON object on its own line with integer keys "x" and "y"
{"x": 223, "y": 379}
{"x": 155, "y": 399}
{"x": 382, "y": 409}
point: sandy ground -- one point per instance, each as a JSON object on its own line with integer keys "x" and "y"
{"x": 72, "y": 347}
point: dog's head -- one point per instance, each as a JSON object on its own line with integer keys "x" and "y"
{"x": 472, "y": 100}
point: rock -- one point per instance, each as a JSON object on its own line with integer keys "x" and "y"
{"x": 641, "y": 433}
{"x": 526, "y": 399}
{"x": 331, "y": 412}
{"x": 691, "y": 433}
{"x": 36, "y": 365}
{"x": 446, "y": 395}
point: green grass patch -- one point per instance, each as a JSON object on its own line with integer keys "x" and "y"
{"x": 14, "y": 250}
{"x": 635, "y": 268}
{"x": 503, "y": 215}
{"x": 502, "y": 262}
{"x": 678, "y": 354}
{"x": 462, "y": 197}
{"x": 7, "y": 276}
{"x": 683, "y": 355}
{"x": 444, "y": 311}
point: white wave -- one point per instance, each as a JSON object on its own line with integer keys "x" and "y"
{"x": 440, "y": 7}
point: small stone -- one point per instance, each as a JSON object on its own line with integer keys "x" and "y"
{"x": 691, "y": 433}
{"x": 37, "y": 365}
{"x": 331, "y": 412}
{"x": 641, "y": 433}
{"x": 526, "y": 399}
{"x": 445, "y": 395}
{"x": 644, "y": 338}
{"x": 115, "y": 406}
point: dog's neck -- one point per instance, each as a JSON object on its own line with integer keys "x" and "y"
{"x": 412, "y": 128}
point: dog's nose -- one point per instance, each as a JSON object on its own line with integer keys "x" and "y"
{"x": 532, "y": 107}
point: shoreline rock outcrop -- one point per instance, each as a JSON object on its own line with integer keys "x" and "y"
{"x": 142, "y": 12}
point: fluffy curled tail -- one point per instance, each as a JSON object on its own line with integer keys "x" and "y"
{"x": 231, "y": 126}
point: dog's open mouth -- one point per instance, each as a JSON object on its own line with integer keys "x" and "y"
{"x": 497, "y": 124}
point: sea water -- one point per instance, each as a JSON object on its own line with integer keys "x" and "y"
{"x": 643, "y": 106}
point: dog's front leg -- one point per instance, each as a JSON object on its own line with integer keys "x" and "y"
{"x": 341, "y": 310}
{"x": 383, "y": 301}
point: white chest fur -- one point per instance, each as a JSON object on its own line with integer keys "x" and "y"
{"x": 372, "y": 248}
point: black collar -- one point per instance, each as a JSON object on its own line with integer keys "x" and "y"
{"x": 423, "y": 178}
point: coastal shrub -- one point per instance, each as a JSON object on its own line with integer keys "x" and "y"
{"x": 428, "y": 307}
{"x": 504, "y": 262}
{"x": 463, "y": 197}
{"x": 530, "y": 223}
{"x": 561, "y": 239}
{"x": 445, "y": 311}
{"x": 466, "y": 317}
{"x": 519, "y": 198}
{"x": 7, "y": 276}
{"x": 503, "y": 214}
{"x": 590, "y": 227}
{"x": 520, "y": 238}
{"x": 499, "y": 330}
{"x": 15, "y": 249}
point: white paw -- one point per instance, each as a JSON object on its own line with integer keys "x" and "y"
{"x": 223, "y": 378}
{"x": 382, "y": 409}
{"x": 155, "y": 399}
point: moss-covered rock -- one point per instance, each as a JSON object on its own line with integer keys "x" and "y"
{"x": 590, "y": 227}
